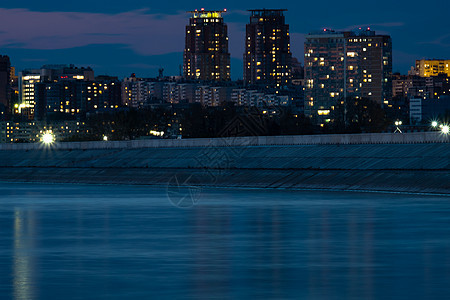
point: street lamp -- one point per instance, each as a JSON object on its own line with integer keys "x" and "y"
{"x": 445, "y": 129}
{"x": 105, "y": 138}
{"x": 434, "y": 124}
{"x": 48, "y": 138}
{"x": 397, "y": 124}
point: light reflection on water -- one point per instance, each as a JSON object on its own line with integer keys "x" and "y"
{"x": 23, "y": 265}
{"x": 75, "y": 242}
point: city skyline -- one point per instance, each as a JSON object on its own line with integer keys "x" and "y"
{"x": 112, "y": 39}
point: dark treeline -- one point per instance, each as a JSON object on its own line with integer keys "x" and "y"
{"x": 196, "y": 121}
{"x": 357, "y": 116}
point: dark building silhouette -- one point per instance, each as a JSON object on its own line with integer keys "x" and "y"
{"x": 5, "y": 84}
{"x": 206, "y": 55}
{"x": 267, "y": 57}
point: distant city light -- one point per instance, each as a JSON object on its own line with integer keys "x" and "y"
{"x": 156, "y": 133}
{"x": 434, "y": 124}
{"x": 48, "y": 138}
{"x": 397, "y": 123}
{"x": 445, "y": 129}
{"x": 105, "y": 138}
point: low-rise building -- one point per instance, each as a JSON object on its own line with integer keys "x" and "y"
{"x": 32, "y": 131}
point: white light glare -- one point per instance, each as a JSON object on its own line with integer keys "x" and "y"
{"x": 47, "y": 138}
{"x": 445, "y": 129}
{"x": 434, "y": 124}
{"x": 105, "y": 138}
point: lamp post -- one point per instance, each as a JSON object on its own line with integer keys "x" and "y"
{"x": 48, "y": 138}
{"x": 397, "y": 124}
{"x": 445, "y": 129}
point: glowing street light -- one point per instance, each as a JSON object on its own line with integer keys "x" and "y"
{"x": 48, "y": 138}
{"x": 397, "y": 128}
{"x": 445, "y": 129}
{"x": 105, "y": 138}
{"x": 434, "y": 124}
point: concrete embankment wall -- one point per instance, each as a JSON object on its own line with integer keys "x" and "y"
{"x": 418, "y": 162}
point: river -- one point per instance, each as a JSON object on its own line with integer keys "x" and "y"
{"x": 137, "y": 242}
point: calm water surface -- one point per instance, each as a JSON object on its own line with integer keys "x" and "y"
{"x": 122, "y": 242}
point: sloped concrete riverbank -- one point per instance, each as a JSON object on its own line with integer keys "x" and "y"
{"x": 414, "y": 162}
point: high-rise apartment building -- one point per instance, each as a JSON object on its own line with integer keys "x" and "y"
{"x": 48, "y": 73}
{"x": 267, "y": 56}
{"x": 432, "y": 67}
{"x": 72, "y": 97}
{"x": 5, "y": 83}
{"x": 206, "y": 55}
{"x": 338, "y": 65}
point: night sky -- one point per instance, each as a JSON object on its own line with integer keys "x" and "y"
{"x": 120, "y": 37}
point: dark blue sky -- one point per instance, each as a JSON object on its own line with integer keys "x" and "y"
{"x": 121, "y": 37}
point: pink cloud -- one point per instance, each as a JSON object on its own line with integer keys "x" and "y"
{"x": 146, "y": 33}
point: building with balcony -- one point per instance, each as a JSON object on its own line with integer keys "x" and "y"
{"x": 344, "y": 65}
{"x": 206, "y": 55}
{"x": 267, "y": 56}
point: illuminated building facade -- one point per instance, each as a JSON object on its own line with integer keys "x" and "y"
{"x": 48, "y": 73}
{"x": 74, "y": 97}
{"x": 338, "y": 65}
{"x": 267, "y": 56}
{"x": 5, "y": 83}
{"x": 61, "y": 97}
{"x": 32, "y": 131}
{"x": 206, "y": 55}
{"x": 432, "y": 67}
{"x": 417, "y": 86}
{"x": 104, "y": 93}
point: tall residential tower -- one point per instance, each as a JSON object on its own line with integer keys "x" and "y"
{"x": 356, "y": 64}
{"x": 206, "y": 55}
{"x": 267, "y": 57}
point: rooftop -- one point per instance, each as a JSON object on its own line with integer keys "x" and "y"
{"x": 206, "y": 14}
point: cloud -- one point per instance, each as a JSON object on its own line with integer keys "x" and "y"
{"x": 144, "y": 32}
{"x": 442, "y": 41}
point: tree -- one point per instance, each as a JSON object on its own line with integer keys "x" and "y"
{"x": 355, "y": 115}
